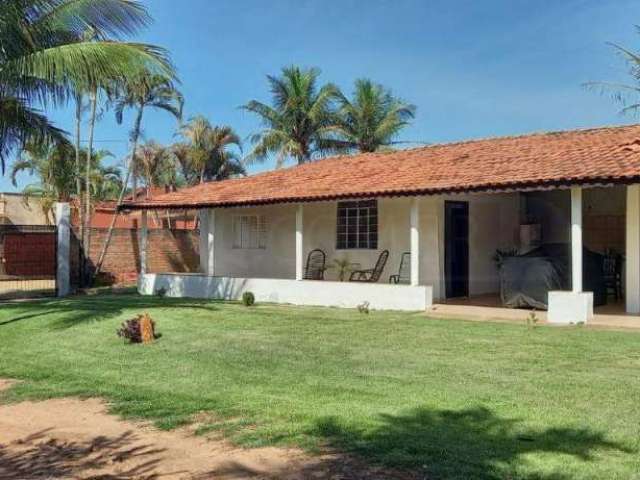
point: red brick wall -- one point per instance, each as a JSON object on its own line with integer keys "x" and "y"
{"x": 30, "y": 254}
{"x": 167, "y": 251}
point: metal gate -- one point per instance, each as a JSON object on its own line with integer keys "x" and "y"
{"x": 27, "y": 261}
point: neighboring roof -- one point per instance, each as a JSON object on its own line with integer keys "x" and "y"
{"x": 102, "y": 215}
{"x": 594, "y": 156}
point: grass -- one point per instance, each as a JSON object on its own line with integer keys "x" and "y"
{"x": 444, "y": 398}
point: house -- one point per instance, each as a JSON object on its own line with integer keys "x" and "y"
{"x": 449, "y": 206}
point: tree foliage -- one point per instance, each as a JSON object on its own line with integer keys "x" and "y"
{"x": 371, "y": 120}
{"x": 44, "y": 58}
{"x": 210, "y": 152}
{"x": 55, "y": 169}
{"x": 298, "y": 120}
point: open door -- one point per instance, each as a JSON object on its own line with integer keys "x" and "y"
{"x": 456, "y": 249}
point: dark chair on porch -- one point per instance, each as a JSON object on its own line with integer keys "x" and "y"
{"x": 314, "y": 270}
{"x": 404, "y": 270}
{"x": 371, "y": 275}
{"x": 612, "y": 269}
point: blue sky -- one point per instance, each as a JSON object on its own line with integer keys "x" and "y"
{"x": 474, "y": 68}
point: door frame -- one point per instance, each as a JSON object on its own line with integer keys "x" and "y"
{"x": 448, "y": 280}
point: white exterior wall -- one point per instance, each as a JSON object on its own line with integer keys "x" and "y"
{"x": 313, "y": 293}
{"x": 277, "y": 260}
{"x": 493, "y": 223}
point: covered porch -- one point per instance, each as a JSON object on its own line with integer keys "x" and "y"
{"x": 265, "y": 249}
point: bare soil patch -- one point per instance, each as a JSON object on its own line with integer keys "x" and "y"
{"x": 78, "y": 439}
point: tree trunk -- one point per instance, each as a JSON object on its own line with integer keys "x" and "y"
{"x": 107, "y": 241}
{"x": 87, "y": 180}
{"x": 78, "y": 167}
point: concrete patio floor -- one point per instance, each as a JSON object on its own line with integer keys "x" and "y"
{"x": 488, "y": 308}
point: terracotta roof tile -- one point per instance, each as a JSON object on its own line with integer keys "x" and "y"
{"x": 601, "y": 155}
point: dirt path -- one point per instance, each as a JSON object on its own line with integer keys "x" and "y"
{"x": 78, "y": 439}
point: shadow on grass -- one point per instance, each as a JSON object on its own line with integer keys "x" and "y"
{"x": 471, "y": 443}
{"x": 38, "y": 456}
{"x": 74, "y": 310}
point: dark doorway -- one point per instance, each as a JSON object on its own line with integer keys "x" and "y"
{"x": 456, "y": 249}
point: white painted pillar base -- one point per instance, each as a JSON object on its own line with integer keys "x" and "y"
{"x": 63, "y": 269}
{"x": 299, "y": 242}
{"x": 415, "y": 241}
{"x": 566, "y": 308}
{"x": 632, "y": 254}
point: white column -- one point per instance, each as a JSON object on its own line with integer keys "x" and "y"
{"x": 207, "y": 219}
{"x": 143, "y": 242}
{"x": 211, "y": 243}
{"x": 63, "y": 270}
{"x": 299, "y": 242}
{"x": 415, "y": 241}
{"x": 632, "y": 256}
{"x": 203, "y": 220}
{"x": 576, "y": 239}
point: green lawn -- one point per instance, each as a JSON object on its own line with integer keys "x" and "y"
{"x": 445, "y": 398}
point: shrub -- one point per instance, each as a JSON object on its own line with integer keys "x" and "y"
{"x": 248, "y": 299}
{"x": 138, "y": 330}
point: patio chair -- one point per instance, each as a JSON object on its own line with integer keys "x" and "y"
{"x": 612, "y": 269}
{"x": 371, "y": 275}
{"x": 315, "y": 267}
{"x": 404, "y": 270}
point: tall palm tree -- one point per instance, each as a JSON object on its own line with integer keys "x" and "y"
{"x": 139, "y": 93}
{"x": 155, "y": 91}
{"x": 207, "y": 154}
{"x": 298, "y": 119}
{"x": 371, "y": 120}
{"x": 44, "y": 60}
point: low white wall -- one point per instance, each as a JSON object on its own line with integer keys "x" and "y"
{"x": 318, "y": 293}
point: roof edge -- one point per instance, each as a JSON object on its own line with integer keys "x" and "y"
{"x": 487, "y": 188}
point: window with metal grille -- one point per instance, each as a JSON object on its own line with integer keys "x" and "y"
{"x": 249, "y": 231}
{"x": 357, "y": 225}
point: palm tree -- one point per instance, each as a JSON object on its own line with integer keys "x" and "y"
{"x": 140, "y": 92}
{"x": 299, "y": 119}
{"x": 156, "y": 164}
{"x": 207, "y": 155}
{"x": 55, "y": 168}
{"x": 371, "y": 120}
{"x": 43, "y": 59}
{"x": 624, "y": 94}
{"x": 155, "y": 91}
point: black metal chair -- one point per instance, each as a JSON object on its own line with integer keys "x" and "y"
{"x": 404, "y": 270}
{"x": 371, "y": 275}
{"x": 314, "y": 270}
{"x": 612, "y": 270}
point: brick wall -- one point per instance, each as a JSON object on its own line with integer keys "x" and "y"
{"x": 167, "y": 251}
{"x": 30, "y": 254}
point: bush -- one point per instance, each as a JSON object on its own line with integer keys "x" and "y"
{"x": 248, "y": 299}
{"x": 138, "y": 330}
